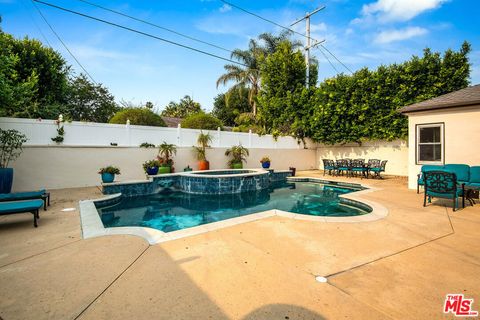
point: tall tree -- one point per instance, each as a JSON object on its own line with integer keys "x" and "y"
{"x": 88, "y": 101}
{"x": 271, "y": 41}
{"x": 32, "y": 76}
{"x": 187, "y": 106}
{"x": 227, "y": 106}
{"x": 283, "y": 98}
{"x": 247, "y": 75}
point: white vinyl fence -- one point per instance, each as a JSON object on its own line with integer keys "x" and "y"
{"x": 41, "y": 132}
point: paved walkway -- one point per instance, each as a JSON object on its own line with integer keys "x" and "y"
{"x": 400, "y": 267}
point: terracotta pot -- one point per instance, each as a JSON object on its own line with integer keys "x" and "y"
{"x": 203, "y": 165}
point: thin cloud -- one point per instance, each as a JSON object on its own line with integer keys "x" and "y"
{"x": 395, "y": 10}
{"x": 399, "y": 34}
{"x": 225, "y": 8}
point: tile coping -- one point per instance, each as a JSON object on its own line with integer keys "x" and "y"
{"x": 192, "y": 173}
{"x": 92, "y": 225}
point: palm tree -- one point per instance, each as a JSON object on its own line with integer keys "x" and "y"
{"x": 247, "y": 75}
{"x": 271, "y": 41}
{"x": 239, "y": 155}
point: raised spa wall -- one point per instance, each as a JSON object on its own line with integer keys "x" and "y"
{"x": 198, "y": 184}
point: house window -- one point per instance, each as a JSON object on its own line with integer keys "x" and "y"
{"x": 430, "y": 143}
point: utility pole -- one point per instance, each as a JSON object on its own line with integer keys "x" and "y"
{"x": 308, "y": 44}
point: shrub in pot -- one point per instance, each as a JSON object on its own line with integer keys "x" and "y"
{"x": 165, "y": 152}
{"x": 151, "y": 167}
{"x": 239, "y": 154}
{"x": 265, "y": 162}
{"x": 203, "y": 141}
{"x": 108, "y": 173}
{"x": 11, "y": 142}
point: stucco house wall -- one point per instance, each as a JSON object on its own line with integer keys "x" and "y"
{"x": 461, "y": 136}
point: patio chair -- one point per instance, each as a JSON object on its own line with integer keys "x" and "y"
{"x": 443, "y": 184}
{"x": 12, "y": 207}
{"x": 343, "y": 166}
{"x": 16, "y": 196}
{"x": 425, "y": 168}
{"x": 358, "y": 166}
{"x": 377, "y": 170}
{"x": 328, "y": 165}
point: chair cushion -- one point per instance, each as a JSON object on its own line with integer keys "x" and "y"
{"x": 420, "y": 181}
{"x": 431, "y": 167}
{"x": 473, "y": 184}
{"x": 21, "y": 195}
{"x": 20, "y": 206}
{"x": 462, "y": 171}
{"x": 444, "y": 195}
{"x": 475, "y": 174}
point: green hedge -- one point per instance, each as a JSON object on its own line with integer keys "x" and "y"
{"x": 138, "y": 116}
{"x": 201, "y": 121}
{"x": 358, "y": 107}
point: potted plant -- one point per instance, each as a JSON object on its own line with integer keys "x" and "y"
{"x": 165, "y": 167}
{"x": 11, "y": 142}
{"x": 203, "y": 140}
{"x": 108, "y": 173}
{"x": 265, "y": 162}
{"x": 239, "y": 154}
{"x": 165, "y": 152}
{"x": 151, "y": 167}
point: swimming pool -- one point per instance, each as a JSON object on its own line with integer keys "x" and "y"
{"x": 172, "y": 210}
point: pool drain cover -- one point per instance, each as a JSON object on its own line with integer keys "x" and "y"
{"x": 321, "y": 279}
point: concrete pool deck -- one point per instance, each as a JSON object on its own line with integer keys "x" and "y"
{"x": 398, "y": 267}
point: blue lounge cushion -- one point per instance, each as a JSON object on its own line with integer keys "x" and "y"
{"x": 475, "y": 174}
{"x": 430, "y": 167}
{"x": 473, "y": 184}
{"x": 21, "y": 195}
{"x": 462, "y": 171}
{"x": 20, "y": 206}
{"x": 426, "y": 168}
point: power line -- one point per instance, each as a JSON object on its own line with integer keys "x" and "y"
{"x": 286, "y": 28}
{"x": 36, "y": 24}
{"x": 61, "y": 41}
{"x": 140, "y": 32}
{"x": 155, "y": 25}
{"x": 336, "y": 58}
{"x": 270, "y": 21}
{"x": 330, "y": 62}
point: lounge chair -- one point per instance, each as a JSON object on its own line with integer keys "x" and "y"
{"x": 12, "y": 207}
{"x": 443, "y": 184}
{"x": 16, "y": 196}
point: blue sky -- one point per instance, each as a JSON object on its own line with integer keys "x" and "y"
{"x": 139, "y": 69}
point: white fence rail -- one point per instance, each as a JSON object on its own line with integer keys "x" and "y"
{"x": 41, "y": 132}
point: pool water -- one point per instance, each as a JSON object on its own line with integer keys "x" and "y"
{"x": 174, "y": 210}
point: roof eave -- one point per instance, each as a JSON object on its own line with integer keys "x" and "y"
{"x": 441, "y": 106}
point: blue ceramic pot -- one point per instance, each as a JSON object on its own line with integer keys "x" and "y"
{"x": 152, "y": 171}
{"x": 266, "y": 165}
{"x": 6, "y": 180}
{"x": 107, "y": 177}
